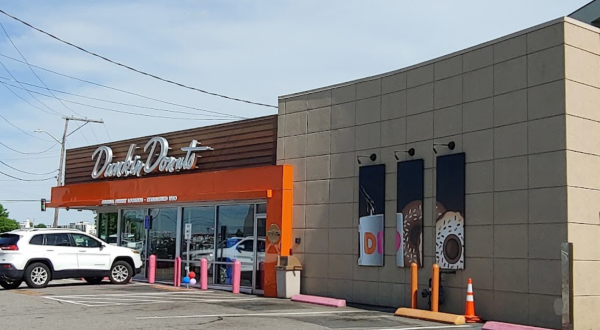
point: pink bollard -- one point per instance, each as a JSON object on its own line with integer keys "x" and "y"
{"x": 204, "y": 274}
{"x": 237, "y": 275}
{"x": 152, "y": 269}
{"x": 177, "y": 272}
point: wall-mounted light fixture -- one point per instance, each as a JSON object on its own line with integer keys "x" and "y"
{"x": 451, "y": 145}
{"x": 410, "y": 152}
{"x": 373, "y": 157}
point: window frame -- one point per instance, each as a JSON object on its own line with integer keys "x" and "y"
{"x": 71, "y": 242}
{"x": 90, "y": 238}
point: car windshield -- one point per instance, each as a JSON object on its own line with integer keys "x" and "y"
{"x": 8, "y": 239}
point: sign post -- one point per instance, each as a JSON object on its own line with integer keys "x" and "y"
{"x": 188, "y": 237}
{"x": 147, "y": 227}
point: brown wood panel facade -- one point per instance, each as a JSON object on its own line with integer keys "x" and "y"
{"x": 244, "y": 143}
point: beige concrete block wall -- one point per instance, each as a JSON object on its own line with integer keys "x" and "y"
{"x": 503, "y": 104}
{"x": 582, "y": 85}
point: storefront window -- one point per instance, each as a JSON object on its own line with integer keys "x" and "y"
{"x": 163, "y": 241}
{"x": 201, "y": 244}
{"x": 163, "y": 235}
{"x": 235, "y": 241}
{"x": 133, "y": 234}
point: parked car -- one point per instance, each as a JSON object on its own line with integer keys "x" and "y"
{"x": 239, "y": 248}
{"x": 38, "y": 256}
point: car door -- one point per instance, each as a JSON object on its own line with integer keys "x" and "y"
{"x": 60, "y": 252}
{"x": 245, "y": 254}
{"x": 90, "y": 253}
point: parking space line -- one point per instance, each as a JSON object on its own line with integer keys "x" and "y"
{"x": 137, "y": 294}
{"x": 426, "y": 327}
{"x": 67, "y": 301}
{"x": 248, "y": 314}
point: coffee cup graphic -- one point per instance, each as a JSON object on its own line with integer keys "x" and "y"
{"x": 370, "y": 229}
{"x": 399, "y": 240}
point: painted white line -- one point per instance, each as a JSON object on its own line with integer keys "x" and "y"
{"x": 250, "y": 314}
{"x": 67, "y": 301}
{"x": 135, "y": 294}
{"x": 416, "y": 328}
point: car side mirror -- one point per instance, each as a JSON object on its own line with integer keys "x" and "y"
{"x": 238, "y": 248}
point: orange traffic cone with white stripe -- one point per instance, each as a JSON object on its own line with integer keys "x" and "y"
{"x": 470, "y": 316}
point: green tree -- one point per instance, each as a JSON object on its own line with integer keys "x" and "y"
{"x": 6, "y": 224}
{"x": 41, "y": 225}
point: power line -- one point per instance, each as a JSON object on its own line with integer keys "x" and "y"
{"x": 107, "y": 134}
{"x": 113, "y": 102}
{"x": 30, "y": 68}
{"x": 35, "y": 106}
{"x": 27, "y": 180}
{"x": 36, "y": 75}
{"x": 25, "y": 172}
{"x": 20, "y": 129}
{"x": 27, "y": 153}
{"x": 42, "y": 103}
{"x": 122, "y": 90}
{"x": 118, "y": 111}
{"x": 136, "y": 70}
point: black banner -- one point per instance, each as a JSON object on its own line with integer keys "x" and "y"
{"x": 371, "y": 211}
{"x": 450, "y": 223}
{"x": 409, "y": 213}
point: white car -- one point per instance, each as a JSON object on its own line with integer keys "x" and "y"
{"x": 38, "y": 256}
{"x": 242, "y": 249}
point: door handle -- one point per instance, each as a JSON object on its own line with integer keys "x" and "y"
{"x": 81, "y": 250}
{"x": 50, "y": 250}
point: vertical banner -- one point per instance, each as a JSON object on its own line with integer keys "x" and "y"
{"x": 450, "y": 224}
{"x": 409, "y": 213}
{"x": 371, "y": 209}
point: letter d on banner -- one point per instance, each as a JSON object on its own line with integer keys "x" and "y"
{"x": 370, "y": 230}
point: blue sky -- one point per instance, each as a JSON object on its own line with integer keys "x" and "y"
{"x": 255, "y": 50}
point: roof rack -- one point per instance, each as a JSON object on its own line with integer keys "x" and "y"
{"x": 43, "y": 229}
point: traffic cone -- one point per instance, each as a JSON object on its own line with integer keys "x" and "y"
{"x": 470, "y": 316}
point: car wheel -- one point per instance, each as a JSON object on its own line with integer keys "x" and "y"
{"x": 37, "y": 275}
{"x": 10, "y": 285}
{"x": 93, "y": 280}
{"x": 120, "y": 273}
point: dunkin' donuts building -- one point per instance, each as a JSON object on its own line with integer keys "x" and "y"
{"x": 483, "y": 161}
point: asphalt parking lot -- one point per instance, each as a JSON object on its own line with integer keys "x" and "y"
{"x": 73, "y": 304}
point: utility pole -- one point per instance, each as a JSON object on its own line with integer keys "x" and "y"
{"x": 59, "y": 180}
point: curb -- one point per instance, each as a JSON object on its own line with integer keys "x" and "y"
{"x": 508, "y": 326}
{"x": 319, "y": 300}
{"x": 431, "y": 316}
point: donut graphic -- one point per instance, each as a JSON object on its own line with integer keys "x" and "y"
{"x": 412, "y": 233}
{"x": 449, "y": 241}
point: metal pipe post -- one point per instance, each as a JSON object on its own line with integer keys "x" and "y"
{"x": 414, "y": 285}
{"x": 435, "y": 287}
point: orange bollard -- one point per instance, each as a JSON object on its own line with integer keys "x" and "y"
{"x": 435, "y": 287}
{"x": 414, "y": 285}
{"x": 470, "y": 316}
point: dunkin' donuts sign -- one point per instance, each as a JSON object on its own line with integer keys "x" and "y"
{"x": 370, "y": 211}
{"x": 155, "y": 158}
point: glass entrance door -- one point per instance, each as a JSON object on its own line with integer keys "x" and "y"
{"x": 107, "y": 227}
{"x": 260, "y": 232}
{"x": 234, "y": 237}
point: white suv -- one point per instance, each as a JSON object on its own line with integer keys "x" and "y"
{"x": 37, "y": 256}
